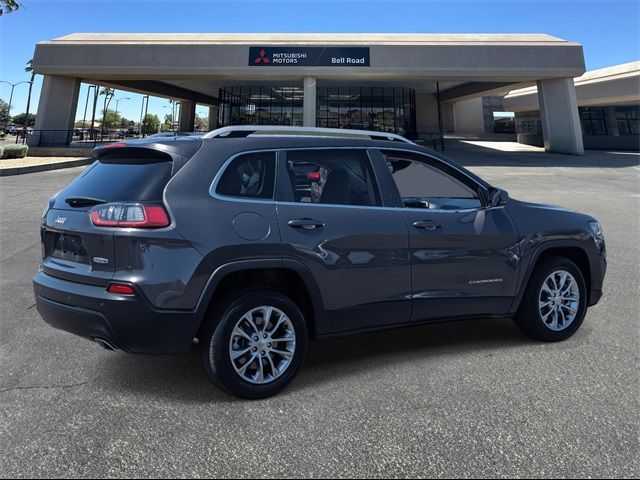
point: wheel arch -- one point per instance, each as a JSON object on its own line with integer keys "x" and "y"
{"x": 573, "y": 250}
{"x": 290, "y": 277}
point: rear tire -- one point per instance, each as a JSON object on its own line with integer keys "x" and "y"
{"x": 555, "y": 301}
{"x": 248, "y": 358}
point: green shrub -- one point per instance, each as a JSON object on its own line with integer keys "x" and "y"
{"x": 1, "y": 150}
{"x": 14, "y": 151}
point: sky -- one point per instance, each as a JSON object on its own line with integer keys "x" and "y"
{"x": 608, "y": 29}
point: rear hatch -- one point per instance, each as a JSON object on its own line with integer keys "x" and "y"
{"x": 74, "y": 248}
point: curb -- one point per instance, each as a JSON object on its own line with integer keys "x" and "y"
{"x": 5, "y": 172}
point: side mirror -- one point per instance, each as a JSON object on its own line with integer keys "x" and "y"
{"x": 498, "y": 197}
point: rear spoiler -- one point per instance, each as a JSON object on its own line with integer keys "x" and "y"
{"x": 178, "y": 151}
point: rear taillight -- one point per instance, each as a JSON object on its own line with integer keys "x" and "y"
{"x": 120, "y": 289}
{"x": 129, "y": 215}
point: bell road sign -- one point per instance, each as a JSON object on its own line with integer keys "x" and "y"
{"x": 309, "y": 56}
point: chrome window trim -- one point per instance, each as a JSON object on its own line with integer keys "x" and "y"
{"x": 274, "y": 201}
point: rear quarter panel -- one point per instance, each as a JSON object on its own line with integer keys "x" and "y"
{"x": 208, "y": 222}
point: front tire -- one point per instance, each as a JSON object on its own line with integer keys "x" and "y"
{"x": 555, "y": 302}
{"x": 254, "y": 347}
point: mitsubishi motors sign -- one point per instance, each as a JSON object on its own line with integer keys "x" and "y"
{"x": 309, "y": 56}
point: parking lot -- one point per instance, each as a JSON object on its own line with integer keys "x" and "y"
{"x": 466, "y": 399}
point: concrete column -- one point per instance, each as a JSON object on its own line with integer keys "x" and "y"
{"x": 559, "y": 116}
{"x": 187, "y": 117}
{"x": 213, "y": 117}
{"x": 56, "y": 111}
{"x": 309, "y": 102}
{"x": 469, "y": 117}
{"x": 426, "y": 114}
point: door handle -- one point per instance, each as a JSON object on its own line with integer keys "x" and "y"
{"x": 306, "y": 223}
{"x": 427, "y": 225}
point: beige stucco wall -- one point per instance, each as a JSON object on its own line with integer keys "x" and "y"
{"x": 469, "y": 117}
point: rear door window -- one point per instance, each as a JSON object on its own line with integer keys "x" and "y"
{"x": 335, "y": 177}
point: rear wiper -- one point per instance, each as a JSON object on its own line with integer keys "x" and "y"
{"x": 83, "y": 201}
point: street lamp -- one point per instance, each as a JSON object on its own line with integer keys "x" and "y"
{"x": 124, "y": 98}
{"x": 13, "y": 85}
{"x": 143, "y": 114}
{"x": 86, "y": 104}
{"x": 172, "y": 106}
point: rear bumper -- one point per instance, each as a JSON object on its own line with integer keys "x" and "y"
{"x": 128, "y": 323}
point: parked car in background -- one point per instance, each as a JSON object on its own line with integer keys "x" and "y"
{"x": 254, "y": 241}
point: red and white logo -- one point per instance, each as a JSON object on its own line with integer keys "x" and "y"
{"x": 262, "y": 58}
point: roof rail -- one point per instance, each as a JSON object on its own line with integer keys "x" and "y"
{"x": 240, "y": 131}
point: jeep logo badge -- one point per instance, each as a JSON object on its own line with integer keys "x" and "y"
{"x": 60, "y": 220}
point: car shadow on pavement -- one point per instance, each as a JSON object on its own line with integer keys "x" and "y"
{"x": 182, "y": 378}
{"x": 329, "y": 360}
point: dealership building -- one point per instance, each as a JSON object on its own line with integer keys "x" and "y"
{"x": 418, "y": 85}
{"x": 608, "y": 107}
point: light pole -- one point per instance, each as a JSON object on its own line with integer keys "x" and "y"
{"x": 86, "y": 104}
{"x": 13, "y": 85}
{"x": 116, "y": 116}
{"x": 143, "y": 114}
{"x": 172, "y": 106}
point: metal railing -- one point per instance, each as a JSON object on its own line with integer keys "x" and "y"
{"x": 77, "y": 138}
{"x": 70, "y": 138}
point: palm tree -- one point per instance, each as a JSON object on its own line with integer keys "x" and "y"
{"x": 29, "y": 69}
{"x": 8, "y": 6}
{"x": 108, "y": 95}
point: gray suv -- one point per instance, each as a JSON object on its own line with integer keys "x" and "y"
{"x": 252, "y": 240}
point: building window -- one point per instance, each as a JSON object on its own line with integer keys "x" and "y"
{"x": 529, "y": 127}
{"x": 593, "y": 120}
{"x": 260, "y": 105}
{"x": 628, "y": 119}
{"x": 383, "y": 109}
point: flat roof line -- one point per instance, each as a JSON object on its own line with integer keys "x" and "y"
{"x": 311, "y": 38}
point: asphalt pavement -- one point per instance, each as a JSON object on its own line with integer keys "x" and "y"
{"x": 466, "y": 399}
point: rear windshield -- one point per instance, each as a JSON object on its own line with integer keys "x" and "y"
{"x": 119, "y": 181}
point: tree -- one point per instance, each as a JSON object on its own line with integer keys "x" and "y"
{"x": 113, "y": 121}
{"x": 21, "y": 119}
{"x": 108, "y": 95}
{"x": 202, "y": 123}
{"x": 29, "y": 69}
{"x": 151, "y": 123}
{"x": 4, "y": 112}
{"x": 8, "y": 6}
{"x": 167, "y": 126}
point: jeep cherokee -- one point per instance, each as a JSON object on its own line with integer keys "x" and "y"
{"x": 252, "y": 240}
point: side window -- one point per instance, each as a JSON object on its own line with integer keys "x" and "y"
{"x": 335, "y": 177}
{"x": 424, "y": 186}
{"x": 250, "y": 176}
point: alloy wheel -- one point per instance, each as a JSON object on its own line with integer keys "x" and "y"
{"x": 559, "y": 300}
{"x": 262, "y": 345}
